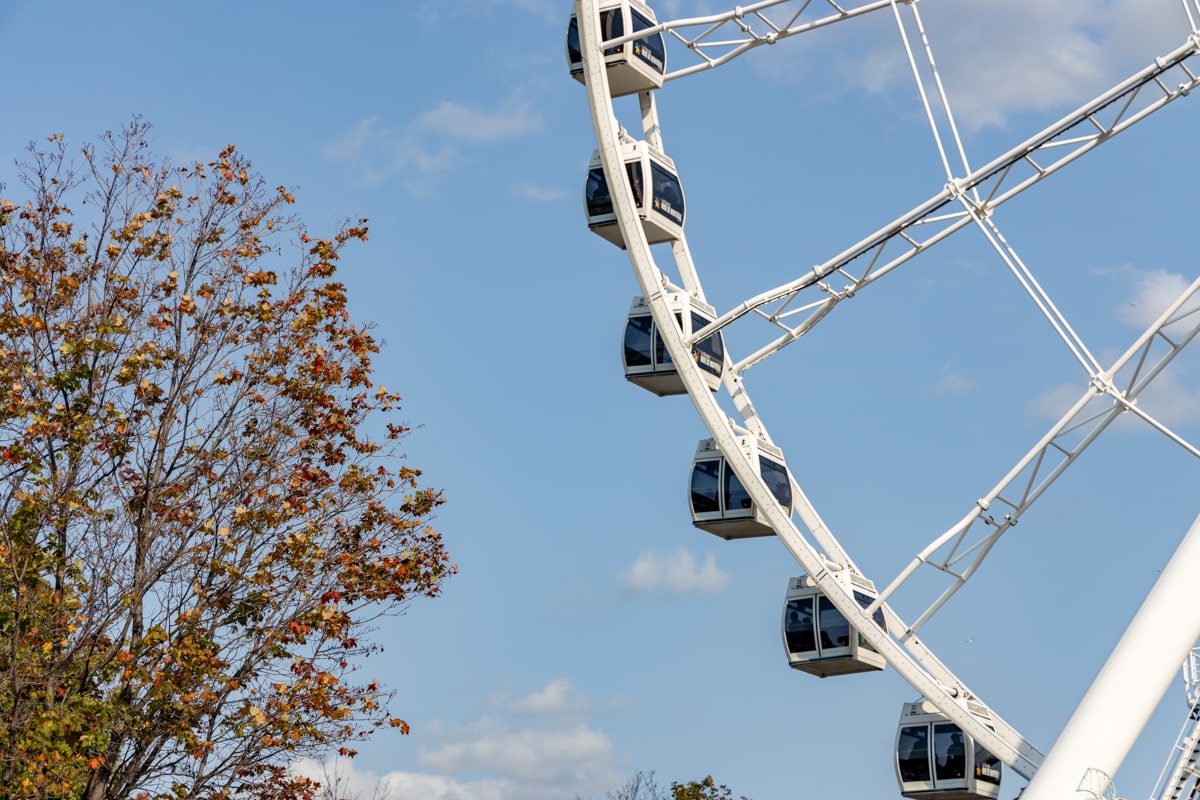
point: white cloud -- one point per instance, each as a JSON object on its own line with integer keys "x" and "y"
{"x": 557, "y": 697}
{"x": 548, "y": 10}
{"x": 1169, "y": 401}
{"x": 1169, "y": 398}
{"x": 381, "y": 152}
{"x": 422, "y": 786}
{"x": 349, "y": 781}
{"x": 997, "y": 57}
{"x": 677, "y": 573}
{"x": 950, "y": 382}
{"x": 353, "y": 141}
{"x": 551, "y": 757}
{"x": 1154, "y": 290}
{"x": 473, "y": 124}
{"x": 678, "y": 9}
{"x": 437, "y": 14}
{"x": 548, "y": 755}
{"x": 1053, "y": 402}
{"x": 539, "y": 194}
{"x": 432, "y": 142}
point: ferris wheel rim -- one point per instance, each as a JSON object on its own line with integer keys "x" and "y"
{"x": 1022, "y": 757}
{"x": 910, "y": 657}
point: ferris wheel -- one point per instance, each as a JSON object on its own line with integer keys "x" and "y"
{"x": 950, "y": 744}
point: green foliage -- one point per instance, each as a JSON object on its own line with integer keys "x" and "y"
{"x": 705, "y": 789}
{"x": 642, "y": 786}
{"x": 196, "y": 524}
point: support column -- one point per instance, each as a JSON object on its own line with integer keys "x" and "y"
{"x": 1131, "y": 683}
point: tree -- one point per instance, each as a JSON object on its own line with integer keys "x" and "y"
{"x": 337, "y": 784}
{"x": 706, "y": 789}
{"x": 641, "y": 786}
{"x": 202, "y": 507}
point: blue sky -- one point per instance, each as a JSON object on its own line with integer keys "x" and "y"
{"x": 591, "y": 631}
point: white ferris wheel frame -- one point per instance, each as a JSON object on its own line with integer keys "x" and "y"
{"x": 968, "y": 198}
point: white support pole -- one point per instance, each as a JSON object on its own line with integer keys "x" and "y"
{"x": 1131, "y": 683}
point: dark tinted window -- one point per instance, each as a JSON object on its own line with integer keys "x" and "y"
{"x": 912, "y": 753}
{"x": 706, "y": 484}
{"x": 598, "y": 195}
{"x": 661, "y": 357}
{"x": 736, "y": 496}
{"x": 710, "y": 353}
{"x": 949, "y": 752}
{"x": 574, "y": 54}
{"x": 612, "y": 27}
{"x": 650, "y": 49}
{"x": 776, "y": 477}
{"x": 599, "y": 201}
{"x": 667, "y": 195}
{"x": 835, "y": 631}
{"x": 865, "y": 601}
{"x": 798, "y": 626}
{"x": 637, "y": 341}
{"x": 634, "y": 169}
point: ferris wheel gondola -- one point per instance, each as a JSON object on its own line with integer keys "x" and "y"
{"x": 661, "y": 212}
{"x": 647, "y": 362}
{"x": 817, "y": 637}
{"x": 632, "y": 67}
{"x": 935, "y": 759}
{"x": 720, "y": 503}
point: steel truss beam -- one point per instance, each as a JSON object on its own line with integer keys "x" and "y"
{"x": 750, "y": 26}
{"x": 959, "y": 555}
{"x": 955, "y": 206}
{"x": 963, "y": 201}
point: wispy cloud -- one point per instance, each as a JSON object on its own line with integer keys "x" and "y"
{"x": 546, "y": 753}
{"x": 542, "y": 759}
{"x": 548, "y": 10}
{"x": 556, "y": 697}
{"x": 344, "y": 777}
{"x": 998, "y": 58}
{"x": 1170, "y": 401}
{"x": 355, "y": 140}
{"x": 950, "y": 382}
{"x": 1172, "y": 398}
{"x": 465, "y": 123}
{"x": 1053, "y": 402}
{"x": 516, "y": 764}
{"x": 676, "y": 573}
{"x": 1003, "y": 58}
{"x": 1169, "y": 398}
{"x": 677, "y": 9}
{"x": 539, "y": 194}
{"x": 433, "y": 142}
{"x": 1154, "y": 291}
{"x": 436, "y": 14}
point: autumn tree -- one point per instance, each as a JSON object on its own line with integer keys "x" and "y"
{"x": 202, "y": 510}
{"x": 642, "y": 786}
{"x": 338, "y": 783}
{"x": 706, "y": 789}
